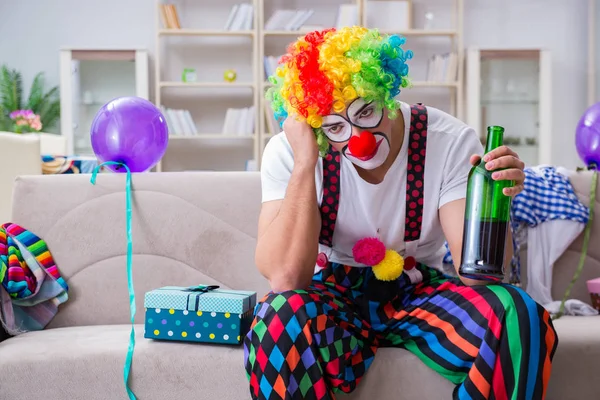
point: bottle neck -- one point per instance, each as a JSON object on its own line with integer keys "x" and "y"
{"x": 495, "y": 138}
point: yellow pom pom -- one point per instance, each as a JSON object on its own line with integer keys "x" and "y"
{"x": 390, "y": 268}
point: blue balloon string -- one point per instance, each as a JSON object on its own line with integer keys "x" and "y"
{"x": 129, "y": 358}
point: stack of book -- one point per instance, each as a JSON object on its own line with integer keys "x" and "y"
{"x": 442, "y": 68}
{"x": 347, "y": 16}
{"x": 271, "y": 63}
{"x": 272, "y": 124}
{"x": 288, "y": 20}
{"x": 239, "y": 121}
{"x": 168, "y": 16}
{"x": 240, "y": 18}
{"x": 180, "y": 122}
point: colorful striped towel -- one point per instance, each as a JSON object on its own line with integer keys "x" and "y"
{"x": 31, "y": 286}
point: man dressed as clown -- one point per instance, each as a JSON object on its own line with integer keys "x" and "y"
{"x": 360, "y": 192}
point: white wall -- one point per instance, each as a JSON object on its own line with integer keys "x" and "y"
{"x": 32, "y": 31}
{"x": 557, "y": 25}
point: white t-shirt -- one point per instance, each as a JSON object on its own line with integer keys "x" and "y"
{"x": 378, "y": 210}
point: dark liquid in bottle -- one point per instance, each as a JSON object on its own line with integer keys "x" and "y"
{"x": 484, "y": 258}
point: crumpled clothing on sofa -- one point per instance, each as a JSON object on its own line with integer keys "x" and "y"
{"x": 31, "y": 287}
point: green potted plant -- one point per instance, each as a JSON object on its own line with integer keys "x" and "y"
{"x": 41, "y": 109}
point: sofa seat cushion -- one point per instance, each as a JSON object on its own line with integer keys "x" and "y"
{"x": 92, "y": 358}
{"x": 577, "y": 359}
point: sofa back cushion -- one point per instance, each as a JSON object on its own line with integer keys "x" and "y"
{"x": 189, "y": 228}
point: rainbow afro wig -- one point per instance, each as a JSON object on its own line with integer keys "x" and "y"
{"x": 325, "y": 70}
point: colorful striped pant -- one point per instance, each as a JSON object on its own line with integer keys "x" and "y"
{"x": 493, "y": 342}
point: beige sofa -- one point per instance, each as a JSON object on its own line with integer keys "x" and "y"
{"x": 192, "y": 228}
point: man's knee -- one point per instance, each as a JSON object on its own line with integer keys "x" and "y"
{"x": 304, "y": 304}
{"x": 515, "y": 302}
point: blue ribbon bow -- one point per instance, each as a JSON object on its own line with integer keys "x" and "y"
{"x": 201, "y": 288}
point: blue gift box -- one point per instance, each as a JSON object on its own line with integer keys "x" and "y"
{"x": 198, "y": 314}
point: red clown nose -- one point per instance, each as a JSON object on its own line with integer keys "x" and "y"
{"x": 362, "y": 145}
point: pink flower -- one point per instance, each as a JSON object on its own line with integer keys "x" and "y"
{"x": 21, "y": 114}
{"x": 27, "y": 118}
{"x": 36, "y": 125}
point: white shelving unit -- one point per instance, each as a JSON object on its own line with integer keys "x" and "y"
{"x": 203, "y": 26}
{"x": 90, "y": 78}
{"x": 210, "y": 94}
{"x": 447, "y": 33}
{"x": 512, "y": 88}
{"x": 444, "y": 36}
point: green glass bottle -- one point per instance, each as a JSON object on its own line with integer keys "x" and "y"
{"x": 487, "y": 219}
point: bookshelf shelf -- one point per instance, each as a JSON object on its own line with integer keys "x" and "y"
{"x": 420, "y": 32}
{"x": 267, "y": 84}
{"x": 263, "y": 34}
{"x": 284, "y": 33}
{"x": 453, "y": 85}
{"x": 176, "y": 84}
{"x": 203, "y": 32}
{"x": 211, "y": 136}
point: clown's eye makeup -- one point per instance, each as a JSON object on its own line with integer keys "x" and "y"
{"x": 365, "y": 115}
{"x": 336, "y": 128}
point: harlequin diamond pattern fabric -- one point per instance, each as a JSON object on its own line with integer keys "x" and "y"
{"x": 491, "y": 341}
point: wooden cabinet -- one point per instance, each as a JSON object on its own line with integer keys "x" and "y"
{"x": 512, "y": 88}
{"x": 90, "y": 78}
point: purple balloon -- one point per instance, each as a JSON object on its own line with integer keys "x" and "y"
{"x": 587, "y": 138}
{"x": 132, "y": 131}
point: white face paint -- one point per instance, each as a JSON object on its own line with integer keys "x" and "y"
{"x": 360, "y": 114}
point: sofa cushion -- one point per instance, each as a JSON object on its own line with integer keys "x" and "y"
{"x": 93, "y": 356}
{"x": 182, "y": 236}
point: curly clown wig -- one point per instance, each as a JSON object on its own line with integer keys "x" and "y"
{"x": 325, "y": 70}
